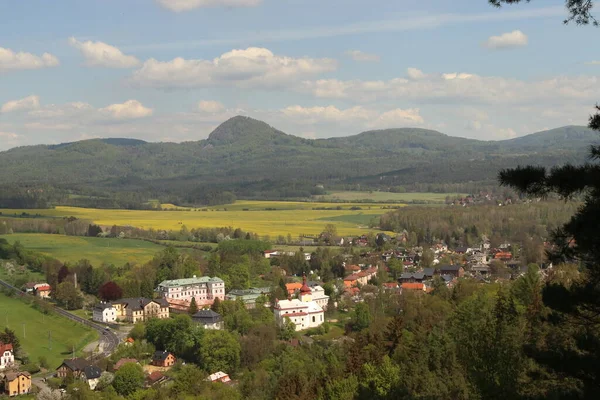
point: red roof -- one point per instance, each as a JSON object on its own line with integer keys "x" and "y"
{"x": 43, "y": 287}
{"x": 155, "y": 376}
{"x": 412, "y": 286}
{"x": 391, "y": 285}
{"x": 305, "y": 288}
{"x": 5, "y": 347}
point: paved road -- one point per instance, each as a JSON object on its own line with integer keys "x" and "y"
{"x": 108, "y": 339}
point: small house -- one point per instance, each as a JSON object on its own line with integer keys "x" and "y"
{"x": 219, "y": 377}
{"x": 105, "y": 313}
{"x": 7, "y": 356}
{"x": 17, "y": 383}
{"x": 163, "y": 359}
{"x": 455, "y": 270}
{"x": 91, "y": 374}
{"x": 155, "y": 378}
{"x": 124, "y": 361}
{"x": 208, "y": 319}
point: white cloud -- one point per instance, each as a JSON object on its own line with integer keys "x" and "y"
{"x": 595, "y": 62}
{"x": 209, "y": 106}
{"x": 367, "y": 118}
{"x": 358, "y": 55}
{"x": 9, "y": 135}
{"x": 464, "y": 87}
{"x": 9, "y": 60}
{"x": 187, "y": 5}
{"x": 99, "y": 54}
{"x": 27, "y": 103}
{"x": 250, "y": 67}
{"x": 131, "y": 109}
{"x": 506, "y": 40}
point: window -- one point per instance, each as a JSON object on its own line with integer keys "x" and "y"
{"x": 313, "y": 318}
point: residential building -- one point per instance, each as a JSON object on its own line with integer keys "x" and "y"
{"x": 92, "y": 374}
{"x": 319, "y": 296}
{"x": 124, "y": 361}
{"x": 41, "y": 290}
{"x": 7, "y": 356}
{"x": 361, "y": 277}
{"x": 292, "y": 287}
{"x": 303, "y": 312}
{"x": 208, "y": 319}
{"x": 219, "y": 377}
{"x": 414, "y": 277}
{"x": 155, "y": 378}
{"x": 455, "y": 270}
{"x": 249, "y": 296}
{"x": 413, "y": 286}
{"x": 204, "y": 289}
{"x": 17, "y": 383}
{"x": 80, "y": 368}
{"x": 140, "y": 309}
{"x": 105, "y": 313}
{"x": 163, "y": 359}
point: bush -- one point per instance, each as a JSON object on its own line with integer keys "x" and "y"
{"x": 32, "y": 368}
{"x": 43, "y": 361}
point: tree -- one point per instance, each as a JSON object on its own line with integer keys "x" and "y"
{"x": 193, "y": 307}
{"x": 287, "y": 331}
{"x": 361, "y": 318}
{"x": 110, "y": 291}
{"x": 216, "y": 306}
{"x": 219, "y": 351}
{"x": 580, "y": 11}
{"x": 9, "y": 336}
{"x": 63, "y": 272}
{"x": 67, "y": 296}
{"x": 128, "y": 379}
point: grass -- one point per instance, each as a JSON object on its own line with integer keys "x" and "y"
{"x": 96, "y": 250}
{"x": 387, "y": 196}
{"x": 34, "y": 341}
{"x": 282, "y": 218}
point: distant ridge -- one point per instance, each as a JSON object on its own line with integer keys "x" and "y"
{"x": 255, "y": 160}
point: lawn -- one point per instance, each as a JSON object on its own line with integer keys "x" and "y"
{"x": 96, "y": 250}
{"x": 388, "y": 196}
{"x": 33, "y": 329}
{"x": 281, "y": 218}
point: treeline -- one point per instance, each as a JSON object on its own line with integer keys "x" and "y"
{"x": 464, "y": 226}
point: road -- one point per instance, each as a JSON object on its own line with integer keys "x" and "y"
{"x": 108, "y": 339}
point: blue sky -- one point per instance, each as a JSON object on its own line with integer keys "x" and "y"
{"x": 172, "y": 70}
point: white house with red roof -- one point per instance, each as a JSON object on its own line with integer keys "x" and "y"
{"x": 7, "y": 356}
{"x": 303, "y": 312}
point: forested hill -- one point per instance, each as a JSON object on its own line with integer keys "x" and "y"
{"x": 252, "y": 159}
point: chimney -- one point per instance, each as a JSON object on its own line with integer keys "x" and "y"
{"x": 75, "y": 279}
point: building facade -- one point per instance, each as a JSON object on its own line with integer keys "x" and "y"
{"x": 140, "y": 309}
{"x": 7, "y": 356}
{"x": 204, "y": 289}
{"x": 17, "y": 383}
{"x": 209, "y": 319}
{"x": 303, "y": 312}
{"x": 104, "y": 312}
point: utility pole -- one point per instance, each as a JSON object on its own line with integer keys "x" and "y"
{"x": 23, "y": 330}
{"x": 50, "y": 339}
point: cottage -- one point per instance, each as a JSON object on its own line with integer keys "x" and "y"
{"x": 155, "y": 378}
{"x": 454, "y": 270}
{"x": 80, "y": 368}
{"x": 17, "y": 383}
{"x": 163, "y": 359}
{"x": 105, "y": 313}
{"x": 124, "y": 361}
{"x": 219, "y": 377}
{"x": 7, "y": 356}
{"x": 208, "y": 319}
{"x": 42, "y": 290}
{"x": 92, "y": 374}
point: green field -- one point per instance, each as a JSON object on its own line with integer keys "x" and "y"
{"x": 96, "y": 250}
{"x": 387, "y": 197}
{"x": 64, "y": 333}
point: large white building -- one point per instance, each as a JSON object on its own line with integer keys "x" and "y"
{"x": 204, "y": 289}
{"x": 303, "y": 312}
{"x": 319, "y": 296}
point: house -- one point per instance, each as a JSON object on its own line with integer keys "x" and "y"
{"x": 413, "y": 286}
{"x": 463, "y": 250}
{"x": 293, "y": 287}
{"x": 17, "y": 383}
{"x": 249, "y": 296}
{"x": 480, "y": 269}
{"x": 503, "y": 256}
{"x": 454, "y": 270}
{"x": 7, "y": 356}
{"x": 208, "y": 319}
{"x": 104, "y": 312}
{"x": 155, "y": 378}
{"x": 303, "y": 312}
{"x": 80, "y": 368}
{"x": 140, "y": 309}
{"x": 163, "y": 359}
{"x": 92, "y": 374}
{"x": 219, "y": 377}
{"x": 428, "y": 273}
{"x": 204, "y": 289}
{"x": 362, "y": 277}
{"x": 42, "y": 290}
{"x": 391, "y": 286}
{"x": 124, "y": 361}
{"x": 414, "y": 277}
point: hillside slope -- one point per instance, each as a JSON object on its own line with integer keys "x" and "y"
{"x": 253, "y": 159}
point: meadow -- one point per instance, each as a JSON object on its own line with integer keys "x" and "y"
{"x": 272, "y": 218}
{"x": 32, "y": 328}
{"x": 96, "y": 250}
{"x": 387, "y": 197}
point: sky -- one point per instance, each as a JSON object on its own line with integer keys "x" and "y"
{"x": 173, "y": 70}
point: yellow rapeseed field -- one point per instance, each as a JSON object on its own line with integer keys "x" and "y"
{"x": 281, "y": 218}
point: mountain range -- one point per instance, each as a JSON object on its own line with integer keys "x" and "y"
{"x": 251, "y": 159}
